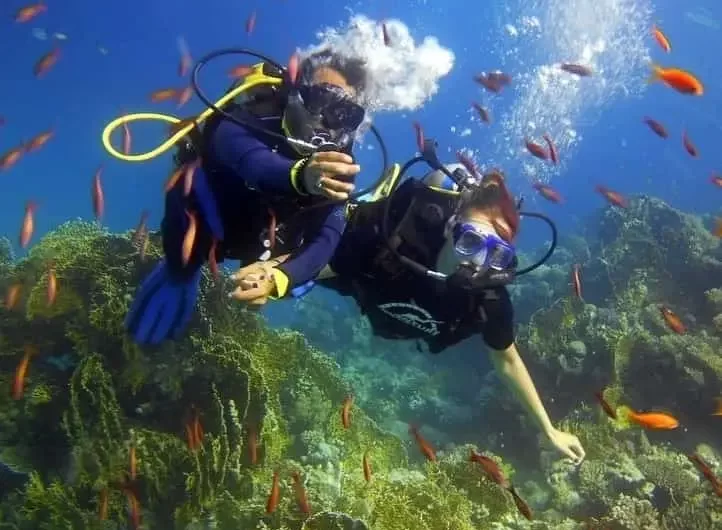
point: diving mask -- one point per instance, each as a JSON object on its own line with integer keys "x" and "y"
{"x": 485, "y": 250}
{"x": 323, "y": 115}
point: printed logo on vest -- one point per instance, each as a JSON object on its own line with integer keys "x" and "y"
{"x": 412, "y": 315}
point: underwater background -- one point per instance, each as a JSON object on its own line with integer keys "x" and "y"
{"x": 210, "y": 418}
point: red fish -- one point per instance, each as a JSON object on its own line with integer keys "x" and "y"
{"x": 21, "y": 372}
{"x": 133, "y": 509}
{"x": 553, "y": 154}
{"x": 577, "y": 69}
{"x": 194, "y": 430}
{"x": 164, "y": 94}
{"x": 577, "y": 280}
{"x": 212, "y": 261}
{"x": 483, "y": 113}
{"x": 366, "y": 467}
{"x": 294, "y": 63}
{"x": 657, "y": 127}
{"x": 606, "y": 407}
{"x": 536, "y": 149}
{"x": 141, "y": 229}
{"x": 682, "y": 81}
{"x": 132, "y": 461}
{"x": 346, "y": 412}
{"x": 490, "y": 467}
{"x": 521, "y": 504}
{"x": 272, "y": 227}
{"x": 716, "y": 179}
{"x": 184, "y": 96}
{"x": 661, "y": 39}
{"x": 28, "y": 227}
{"x": 614, "y": 198}
{"x": 548, "y": 192}
{"x": 251, "y": 23}
{"x": 189, "y": 240}
{"x": 52, "y": 291}
{"x": 12, "y": 296}
{"x": 186, "y": 60}
{"x": 274, "y": 496}
{"x": 425, "y": 447}
{"x": 97, "y": 195}
{"x": 419, "y": 136}
{"x": 29, "y": 12}
{"x": 301, "y": 496}
{"x": 672, "y": 320}
{"x": 707, "y": 473}
{"x": 253, "y": 445}
{"x": 385, "y": 32}
{"x": 46, "y": 62}
{"x": 239, "y": 71}
{"x": 38, "y": 141}
{"x": 127, "y": 139}
{"x": 689, "y": 146}
{"x": 11, "y": 158}
{"x": 493, "y": 81}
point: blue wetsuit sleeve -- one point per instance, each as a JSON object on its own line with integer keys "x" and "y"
{"x": 247, "y": 158}
{"x": 305, "y": 263}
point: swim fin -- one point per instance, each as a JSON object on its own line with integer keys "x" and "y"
{"x": 163, "y": 305}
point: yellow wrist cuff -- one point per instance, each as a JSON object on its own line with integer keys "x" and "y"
{"x": 281, "y": 281}
{"x": 296, "y": 170}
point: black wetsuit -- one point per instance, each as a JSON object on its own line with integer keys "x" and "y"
{"x": 401, "y": 303}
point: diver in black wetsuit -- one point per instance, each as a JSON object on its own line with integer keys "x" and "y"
{"x": 250, "y": 180}
{"x": 431, "y": 262}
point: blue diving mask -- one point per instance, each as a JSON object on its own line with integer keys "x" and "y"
{"x": 485, "y": 250}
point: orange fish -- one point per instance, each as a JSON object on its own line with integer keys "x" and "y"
{"x": 271, "y": 228}
{"x": 718, "y": 409}
{"x": 490, "y": 467}
{"x": 242, "y": 70}
{"x": 717, "y": 230}
{"x": 28, "y": 227}
{"x": 521, "y": 504}
{"x": 536, "y": 149}
{"x": 21, "y": 371}
{"x": 46, "y": 62}
{"x": 716, "y": 179}
{"x": 194, "y": 430}
{"x": 548, "y": 192}
{"x": 274, "y": 496}
{"x": 301, "y": 496}
{"x": 672, "y": 320}
{"x": 29, "y": 12}
{"x": 164, "y": 94}
{"x": 612, "y": 197}
{"x": 419, "y": 136}
{"x": 212, "y": 261}
{"x": 653, "y": 420}
{"x": 661, "y": 39}
{"x": 103, "y": 504}
{"x": 186, "y": 171}
{"x": 186, "y": 60}
{"x": 97, "y": 195}
{"x": 141, "y": 229}
{"x": 184, "y": 96}
{"x": 52, "y": 292}
{"x": 689, "y": 146}
{"x": 424, "y": 446}
{"x": 132, "y": 461}
{"x": 682, "y": 81}
{"x": 707, "y": 472}
{"x": 38, "y": 141}
{"x": 553, "y": 154}
{"x": 251, "y": 23}
{"x": 12, "y": 296}
{"x": 657, "y": 127}
{"x": 127, "y": 139}
{"x": 346, "y": 412}
{"x": 577, "y": 69}
{"x": 188, "y": 174}
{"x": 253, "y": 445}
{"x": 11, "y": 158}
{"x": 608, "y": 410}
{"x": 483, "y": 113}
{"x": 133, "y": 509}
{"x": 366, "y": 467}
{"x": 577, "y": 280}
{"x": 385, "y": 33}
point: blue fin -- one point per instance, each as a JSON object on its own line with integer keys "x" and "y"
{"x": 163, "y": 306}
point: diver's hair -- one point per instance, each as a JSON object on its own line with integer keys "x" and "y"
{"x": 491, "y": 197}
{"x": 353, "y": 69}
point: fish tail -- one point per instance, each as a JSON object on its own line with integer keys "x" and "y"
{"x": 656, "y": 73}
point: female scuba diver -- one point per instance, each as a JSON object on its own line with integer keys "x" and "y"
{"x": 255, "y": 176}
{"x": 431, "y": 262}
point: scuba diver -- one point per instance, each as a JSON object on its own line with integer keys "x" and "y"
{"x": 275, "y": 170}
{"x": 430, "y": 261}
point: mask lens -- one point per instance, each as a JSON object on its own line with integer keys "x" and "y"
{"x": 333, "y": 104}
{"x": 467, "y": 241}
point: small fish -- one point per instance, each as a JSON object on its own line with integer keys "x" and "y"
{"x": 553, "y": 154}
{"x": 132, "y": 461}
{"x": 103, "y": 504}
{"x": 689, "y": 146}
{"x": 164, "y": 94}
{"x": 419, "y": 136}
{"x": 716, "y": 179}
{"x": 186, "y": 61}
{"x": 577, "y": 69}
{"x": 38, "y": 141}
{"x": 672, "y": 320}
{"x": 274, "y": 496}
{"x": 133, "y": 509}
{"x": 253, "y": 445}
{"x": 189, "y": 239}
{"x": 184, "y": 96}
{"x": 483, "y": 113}
{"x": 46, "y": 62}
{"x": 241, "y": 70}
{"x": 212, "y": 261}
{"x": 52, "y": 290}
{"x": 97, "y": 195}
{"x": 606, "y": 407}
{"x": 12, "y": 296}
{"x": 251, "y": 23}
{"x": 536, "y": 149}
{"x": 493, "y": 81}
{"x": 652, "y": 420}
{"x": 301, "y": 496}
{"x": 21, "y": 372}
{"x": 127, "y": 139}
{"x": 346, "y": 412}
{"x": 176, "y": 176}
{"x": 141, "y": 229}
{"x": 521, "y": 504}
{"x": 718, "y": 408}
{"x": 490, "y": 467}
{"x": 682, "y": 81}
{"x": 614, "y": 198}
{"x": 707, "y": 472}
{"x": 11, "y": 158}
{"x": 272, "y": 227}
{"x": 425, "y": 447}
{"x": 385, "y": 33}
{"x": 188, "y": 173}
{"x": 577, "y": 280}
{"x": 661, "y": 39}
{"x": 29, "y": 12}
{"x": 28, "y": 226}
{"x": 717, "y": 230}
{"x": 366, "y": 467}
{"x": 194, "y": 430}
{"x": 548, "y": 192}
{"x": 657, "y": 127}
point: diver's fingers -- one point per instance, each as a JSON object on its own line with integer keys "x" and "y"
{"x": 337, "y": 168}
{"x": 252, "y": 270}
{"x": 332, "y": 156}
{"x": 331, "y": 184}
{"x": 247, "y": 295}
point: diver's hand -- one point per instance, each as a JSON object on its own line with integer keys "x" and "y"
{"x": 255, "y": 284}
{"x": 568, "y": 444}
{"x": 329, "y": 173}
